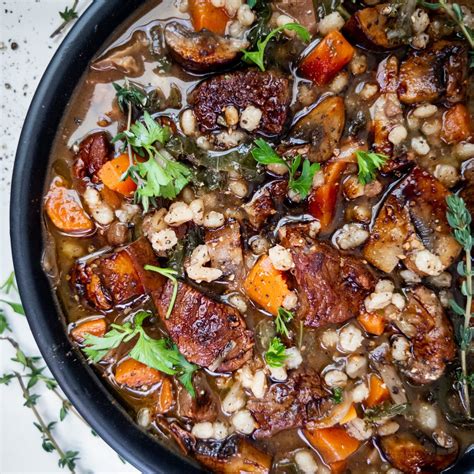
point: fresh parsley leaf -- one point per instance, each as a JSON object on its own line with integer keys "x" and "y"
{"x": 264, "y": 154}
{"x": 257, "y": 57}
{"x": 337, "y": 395}
{"x": 160, "y": 354}
{"x": 282, "y": 319}
{"x": 130, "y": 95}
{"x": 276, "y": 353}
{"x": 384, "y": 410}
{"x": 369, "y": 162}
{"x": 171, "y": 275}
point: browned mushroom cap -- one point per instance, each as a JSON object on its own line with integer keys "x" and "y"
{"x": 201, "y": 51}
{"x": 416, "y": 454}
{"x": 322, "y": 128}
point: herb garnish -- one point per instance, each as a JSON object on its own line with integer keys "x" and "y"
{"x": 130, "y": 95}
{"x": 369, "y": 162}
{"x": 276, "y": 353}
{"x": 460, "y": 220}
{"x": 384, "y": 410}
{"x": 282, "y": 319}
{"x": 67, "y": 15}
{"x": 160, "y": 354}
{"x": 159, "y": 176}
{"x": 171, "y": 275}
{"x": 337, "y": 395}
{"x": 257, "y": 57}
{"x": 264, "y": 154}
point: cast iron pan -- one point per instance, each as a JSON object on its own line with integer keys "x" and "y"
{"x": 76, "y": 378}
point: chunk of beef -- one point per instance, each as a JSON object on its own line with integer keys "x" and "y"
{"x": 439, "y": 72}
{"x": 267, "y": 91}
{"x": 225, "y": 250}
{"x": 468, "y": 192}
{"x": 289, "y": 404}
{"x": 431, "y": 336}
{"x": 227, "y": 456}
{"x": 208, "y": 333}
{"x": 301, "y": 10}
{"x": 264, "y": 202}
{"x": 94, "y": 152}
{"x": 415, "y": 454}
{"x": 118, "y": 278}
{"x": 331, "y": 286}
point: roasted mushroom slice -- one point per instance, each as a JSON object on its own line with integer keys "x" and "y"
{"x": 322, "y": 128}
{"x": 201, "y": 51}
{"x": 414, "y": 453}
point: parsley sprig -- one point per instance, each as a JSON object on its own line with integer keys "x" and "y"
{"x": 368, "y": 163}
{"x": 336, "y": 396}
{"x": 275, "y": 355}
{"x": 257, "y": 57}
{"x": 460, "y": 221}
{"x": 264, "y": 154}
{"x": 159, "y": 176}
{"x": 171, "y": 275}
{"x": 160, "y": 354}
{"x": 282, "y": 319}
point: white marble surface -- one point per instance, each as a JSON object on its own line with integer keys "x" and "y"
{"x": 28, "y": 23}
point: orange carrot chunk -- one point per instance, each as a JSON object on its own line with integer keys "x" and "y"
{"x": 205, "y": 16}
{"x": 94, "y": 327}
{"x": 165, "y": 398}
{"x": 378, "y": 391}
{"x": 134, "y": 374}
{"x": 65, "y": 210}
{"x": 373, "y": 323}
{"x": 111, "y": 175}
{"x": 266, "y": 286}
{"x": 456, "y": 124}
{"x": 333, "y": 444}
{"x": 350, "y": 415}
{"x": 329, "y": 56}
{"x": 323, "y": 200}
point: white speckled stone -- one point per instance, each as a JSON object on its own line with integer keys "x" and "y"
{"x": 25, "y": 50}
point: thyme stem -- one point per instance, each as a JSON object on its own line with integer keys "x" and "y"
{"x": 63, "y": 25}
{"x": 467, "y": 323}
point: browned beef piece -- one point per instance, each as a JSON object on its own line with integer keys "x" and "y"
{"x": 301, "y": 10}
{"x": 416, "y": 454}
{"x": 268, "y": 91}
{"x": 439, "y": 72}
{"x": 118, "y": 278}
{"x": 431, "y": 335}
{"x": 289, "y": 404}
{"x": 230, "y": 455}
{"x": 94, "y": 152}
{"x": 207, "y": 333}
{"x": 225, "y": 250}
{"x": 468, "y": 192}
{"x": 331, "y": 286}
{"x": 264, "y": 202}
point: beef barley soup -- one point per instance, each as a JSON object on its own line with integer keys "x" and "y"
{"x": 255, "y": 219}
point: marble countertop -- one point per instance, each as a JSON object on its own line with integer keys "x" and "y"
{"x": 25, "y": 51}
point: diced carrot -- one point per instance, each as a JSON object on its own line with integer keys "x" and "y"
{"x": 134, "y": 374}
{"x": 112, "y": 198}
{"x": 373, "y": 323}
{"x": 456, "y": 124}
{"x": 95, "y": 327}
{"x": 322, "y": 201}
{"x": 165, "y": 398}
{"x": 205, "y": 16}
{"x": 266, "y": 286}
{"x": 65, "y": 210}
{"x": 329, "y": 56}
{"x": 378, "y": 391}
{"x": 338, "y": 467}
{"x": 111, "y": 175}
{"x": 350, "y": 415}
{"x": 333, "y": 444}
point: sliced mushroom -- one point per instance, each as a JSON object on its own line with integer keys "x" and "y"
{"x": 413, "y": 453}
{"x": 202, "y": 51}
{"x": 322, "y": 128}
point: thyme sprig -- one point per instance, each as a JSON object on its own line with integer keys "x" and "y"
{"x": 460, "y": 220}
{"x": 68, "y": 15}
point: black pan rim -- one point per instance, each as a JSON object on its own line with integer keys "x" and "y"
{"x": 78, "y": 381}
